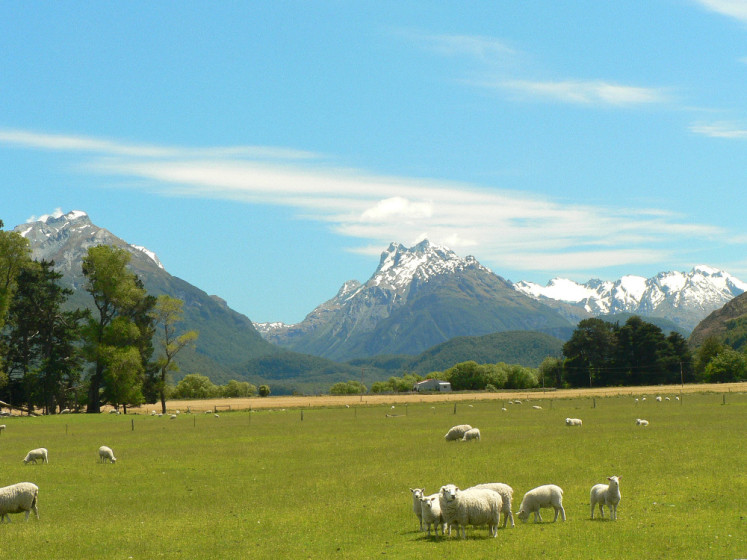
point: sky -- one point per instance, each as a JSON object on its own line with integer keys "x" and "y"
{"x": 269, "y": 151}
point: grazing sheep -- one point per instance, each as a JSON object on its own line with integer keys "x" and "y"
{"x": 18, "y": 498}
{"x": 507, "y": 497}
{"x": 457, "y": 432}
{"x": 173, "y": 417}
{"x": 641, "y": 422}
{"x": 36, "y": 454}
{"x": 417, "y": 494}
{"x": 106, "y": 454}
{"x": 431, "y": 514}
{"x": 667, "y": 399}
{"x": 517, "y": 402}
{"x": 573, "y": 422}
{"x": 545, "y": 496}
{"x": 470, "y": 507}
{"x": 2, "y": 428}
{"x": 537, "y": 407}
{"x": 658, "y": 399}
{"x": 606, "y": 495}
{"x": 65, "y": 411}
{"x": 474, "y": 433}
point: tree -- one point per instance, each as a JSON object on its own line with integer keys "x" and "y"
{"x": 640, "y": 354}
{"x": 710, "y": 348}
{"x": 235, "y": 389}
{"x": 588, "y": 352}
{"x": 727, "y": 366}
{"x": 116, "y": 293}
{"x": 550, "y": 372}
{"x": 264, "y": 390}
{"x": 166, "y": 313}
{"x": 15, "y": 254}
{"x": 347, "y": 388}
{"x": 195, "y": 386}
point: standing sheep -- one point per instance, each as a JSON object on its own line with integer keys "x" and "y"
{"x": 106, "y": 454}
{"x": 417, "y": 494}
{"x": 457, "y": 432}
{"x": 573, "y": 422}
{"x": 474, "y": 433}
{"x": 17, "y": 498}
{"x": 470, "y": 507}
{"x": 641, "y": 422}
{"x": 606, "y": 495}
{"x": 545, "y": 496}
{"x": 431, "y": 514}
{"x": 36, "y": 454}
{"x": 507, "y": 497}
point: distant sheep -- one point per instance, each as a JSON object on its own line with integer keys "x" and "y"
{"x": 417, "y": 494}
{"x": 2, "y": 428}
{"x": 606, "y": 495}
{"x": 457, "y": 432}
{"x": 658, "y": 399}
{"x": 65, "y": 411}
{"x": 507, "y": 497}
{"x": 537, "y": 407}
{"x": 470, "y": 507}
{"x": 574, "y": 422}
{"x": 545, "y": 496}
{"x": 173, "y": 417}
{"x": 469, "y": 435}
{"x": 35, "y": 455}
{"x": 431, "y": 514}
{"x": 106, "y": 454}
{"x": 18, "y": 498}
{"x": 641, "y": 422}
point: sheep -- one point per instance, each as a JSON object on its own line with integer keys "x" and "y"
{"x": 469, "y": 435}
{"x": 475, "y": 506}
{"x": 658, "y": 399}
{"x": 573, "y": 422}
{"x": 537, "y": 407}
{"x": 507, "y": 497}
{"x": 545, "y": 496}
{"x": 17, "y": 498}
{"x": 417, "y": 494}
{"x": 35, "y": 454}
{"x": 606, "y": 495}
{"x": 106, "y": 454}
{"x": 173, "y": 417}
{"x": 431, "y": 514}
{"x": 457, "y": 432}
{"x": 641, "y": 422}
{"x": 2, "y": 428}
{"x": 65, "y": 411}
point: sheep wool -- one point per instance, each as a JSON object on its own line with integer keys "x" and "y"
{"x": 431, "y": 514}
{"x": 545, "y": 496}
{"x": 417, "y": 494}
{"x": 641, "y": 422}
{"x": 106, "y": 454}
{"x": 606, "y": 495}
{"x": 457, "y": 432}
{"x": 474, "y": 433}
{"x": 18, "y": 498}
{"x": 507, "y": 497}
{"x": 474, "y": 506}
{"x": 573, "y": 422}
{"x": 34, "y": 455}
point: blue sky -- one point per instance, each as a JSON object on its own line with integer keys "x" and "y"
{"x": 269, "y": 151}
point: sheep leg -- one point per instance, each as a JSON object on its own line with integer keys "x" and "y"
{"x": 601, "y": 510}
{"x": 613, "y": 512}
{"x": 537, "y": 516}
{"x": 562, "y": 513}
{"x": 593, "y": 506}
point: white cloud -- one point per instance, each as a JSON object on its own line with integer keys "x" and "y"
{"x": 55, "y": 214}
{"x": 487, "y": 49}
{"x": 736, "y": 9}
{"x": 721, "y": 129}
{"x": 594, "y": 92}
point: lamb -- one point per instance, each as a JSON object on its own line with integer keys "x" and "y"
{"x": 17, "y": 498}
{"x": 507, "y": 496}
{"x": 106, "y": 454}
{"x": 417, "y": 494}
{"x": 606, "y": 495}
{"x": 475, "y": 506}
{"x": 545, "y": 496}
{"x": 457, "y": 432}
{"x": 36, "y": 454}
{"x": 431, "y": 514}
{"x": 573, "y": 422}
{"x": 641, "y": 422}
{"x": 474, "y": 433}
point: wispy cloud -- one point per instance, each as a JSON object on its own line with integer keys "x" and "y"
{"x": 721, "y": 129}
{"x": 594, "y": 92}
{"x": 510, "y": 228}
{"x": 487, "y": 49}
{"x": 736, "y": 9}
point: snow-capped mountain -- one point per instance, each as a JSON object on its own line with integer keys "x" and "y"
{"x": 685, "y": 298}
{"x": 417, "y": 297}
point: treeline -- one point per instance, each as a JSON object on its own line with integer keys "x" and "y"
{"x": 119, "y": 352}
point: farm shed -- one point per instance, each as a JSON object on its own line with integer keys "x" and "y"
{"x": 432, "y": 385}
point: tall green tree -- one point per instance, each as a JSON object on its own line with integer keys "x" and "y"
{"x": 639, "y": 357}
{"x": 166, "y": 313}
{"x": 15, "y": 254}
{"x": 588, "y": 352}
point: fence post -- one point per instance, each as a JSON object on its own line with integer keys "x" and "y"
{"x": 133, "y": 424}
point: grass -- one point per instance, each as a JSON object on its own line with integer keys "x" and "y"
{"x": 334, "y": 482}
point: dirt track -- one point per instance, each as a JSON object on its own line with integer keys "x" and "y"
{"x": 374, "y": 399}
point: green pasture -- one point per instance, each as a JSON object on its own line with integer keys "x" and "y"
{"x": 334, "y": 482}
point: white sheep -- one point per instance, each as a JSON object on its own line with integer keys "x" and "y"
{"x": 641, "y": 422}
{"x": 573, "y": 422}
{"x": 470, "y": 507}
{"x": 36, "y": 454}
{"x": 606, "y": 495}
{"x": 658, "y": 399}
{"x": 545, "y": 496}
{"x": 173, "y": 417}
{"x": 469, "y": 435}
{"x": 106, "y": 454}
{"x": 537, "y": 407}
{"x": 18, "y": 498}
{"x": 417, "y": 494}
{"x": 2, "y": 428}
{"x": 507, "y": 497}
{"x": 431, "y": 514}
{"x": 457, "y": 432}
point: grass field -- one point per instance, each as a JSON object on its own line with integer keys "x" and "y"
{"x": 334, "y": 482}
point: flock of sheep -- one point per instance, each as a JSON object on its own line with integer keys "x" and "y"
{"x": 24, "y": 496}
